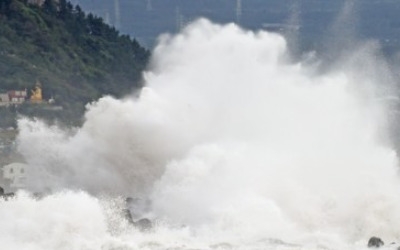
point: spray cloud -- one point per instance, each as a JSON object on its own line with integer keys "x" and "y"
{"x": 229, "y": 134}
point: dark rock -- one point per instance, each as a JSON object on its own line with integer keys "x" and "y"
{"x": 7, "y": 196}
{"x": 128, "y": 216}
{"x": 143, "y": 224}
{"x": 38, "y": 195}
{"x": 132, "y": 206}
{"x": 129, "y": 200}
{"x": 126, "y": 211}
{"x": 137, "y": 206}
{"x": 375, "y": 242}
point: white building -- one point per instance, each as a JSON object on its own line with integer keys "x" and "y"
{"x": 4, "y": 99}
{"x": 14, "y": 97}
{"x": 14, "y": 176}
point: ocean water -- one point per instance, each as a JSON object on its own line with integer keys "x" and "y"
{"x": 231, "y": 144}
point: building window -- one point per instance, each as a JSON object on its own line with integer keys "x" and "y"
{"x": 11, "y": 170}
{"x": 22, "y": 171}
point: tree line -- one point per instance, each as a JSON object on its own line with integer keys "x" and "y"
{"x": 76, "y": 56}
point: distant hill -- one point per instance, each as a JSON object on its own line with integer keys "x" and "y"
{"x": 76, "y": 57}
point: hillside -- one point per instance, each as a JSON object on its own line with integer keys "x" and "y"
{"x": 76, "y": 57}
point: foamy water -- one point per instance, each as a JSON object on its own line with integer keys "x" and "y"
{"x": 235, "y": 146}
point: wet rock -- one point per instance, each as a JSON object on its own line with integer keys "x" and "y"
{"x": 134, "y": 209}
{"x": 127, "y": 215}
{"x": 38, "y": 195}
{"x": 8, "y": 196}
{"x": 375, "y": 242}
{"x": 143, "y": 224}
{"x": 4, "y": 195}
{"x": 137, "y": 206}
{"x": 129, "y": 200}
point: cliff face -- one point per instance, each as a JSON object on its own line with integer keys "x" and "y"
{"x": 76, "y": 57}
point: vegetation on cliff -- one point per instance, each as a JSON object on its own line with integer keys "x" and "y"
{"x": 76, "y": 56}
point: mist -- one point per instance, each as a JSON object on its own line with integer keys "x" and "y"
{"x": 237, "y": 140}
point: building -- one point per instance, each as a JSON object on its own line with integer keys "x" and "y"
{"x": 13, "y": 97}
{"x": 4, "y": 99}
{"x": 14, "y": 176}
{"x": 17, "y": 96}
{"x": 36, "y": 95}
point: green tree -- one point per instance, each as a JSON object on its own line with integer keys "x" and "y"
{"x": 50, "y": 6}
{"x": 77, "y": 57}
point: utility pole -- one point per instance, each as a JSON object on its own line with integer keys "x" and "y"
{"x": 178, "y": 19}
{"x": 117, "y": 23}
{"x": 238, "y": 11}
{"x": 107, "y": 17}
